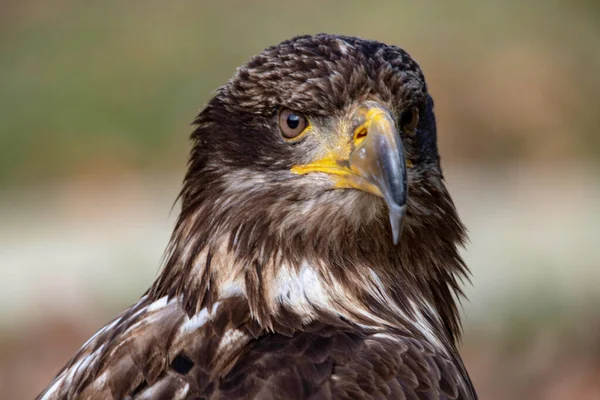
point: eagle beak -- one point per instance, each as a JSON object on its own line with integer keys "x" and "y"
{"x": 378, "y": 160}
{"x": 375, "y": 163}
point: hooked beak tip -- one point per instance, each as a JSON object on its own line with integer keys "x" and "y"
{"x": 396, "y": 214}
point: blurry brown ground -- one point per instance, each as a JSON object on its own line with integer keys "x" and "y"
{"x": 95, "y": 100}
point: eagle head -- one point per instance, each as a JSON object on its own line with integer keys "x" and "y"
{"x": 320, "y": 151}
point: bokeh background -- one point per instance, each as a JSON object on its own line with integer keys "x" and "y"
{"x": 95, "y": 104}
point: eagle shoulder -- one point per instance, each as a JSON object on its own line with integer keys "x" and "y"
{"x": 155, "y": 350}
{"x": 151, "y": 350}
{"x": 328, "y": 362}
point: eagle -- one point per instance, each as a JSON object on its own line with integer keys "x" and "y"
{"x": 317, "y": 251}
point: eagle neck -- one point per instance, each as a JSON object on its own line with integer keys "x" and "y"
{"x": 408, "y": 293}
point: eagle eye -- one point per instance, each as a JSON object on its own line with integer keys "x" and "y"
{"x": 409, "y": 119}
{"x": 291, "y": 123}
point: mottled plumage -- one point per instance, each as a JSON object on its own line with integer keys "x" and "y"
{"x": 281, "y": 284}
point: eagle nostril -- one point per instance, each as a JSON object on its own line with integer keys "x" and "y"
{"x": 359, "y": 135}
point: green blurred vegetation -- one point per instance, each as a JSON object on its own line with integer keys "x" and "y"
{"x": 106, "y": 87}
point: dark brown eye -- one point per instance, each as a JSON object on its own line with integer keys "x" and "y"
{"x": 291, "y": 123}
{"x": 409, "y": 119}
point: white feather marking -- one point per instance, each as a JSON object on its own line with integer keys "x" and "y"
{"x": 383, "y": 335}
{"x": 425, "y": 327}
{"x": 198, "y": 320}
{"x": 417, "y": 319}
{"x": 182, "y": 393}
{"x": 81, "y": 364}
{"x": 312, "y": 287}
{"x": 301, "y": 291}
{"x": 232, "y": 289}
{"x": 91, "y": 357}
{"x": 380, "y": 292}
{"x": 229, "y": 338}
{"x": 158, "y": 304}
{"x": 69, "y": 374}
{"x": 153, "y": 312}
{"x": 52, "y": 389}
{"x": 343, "y": 46}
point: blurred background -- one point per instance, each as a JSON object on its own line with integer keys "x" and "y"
{"x": 95, "y": 104}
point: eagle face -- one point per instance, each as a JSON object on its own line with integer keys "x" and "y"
{"x": 326, "y": 137}
{"x": 316, "y": 252}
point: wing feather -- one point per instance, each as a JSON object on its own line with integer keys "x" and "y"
{"x": 155, "y": 350}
